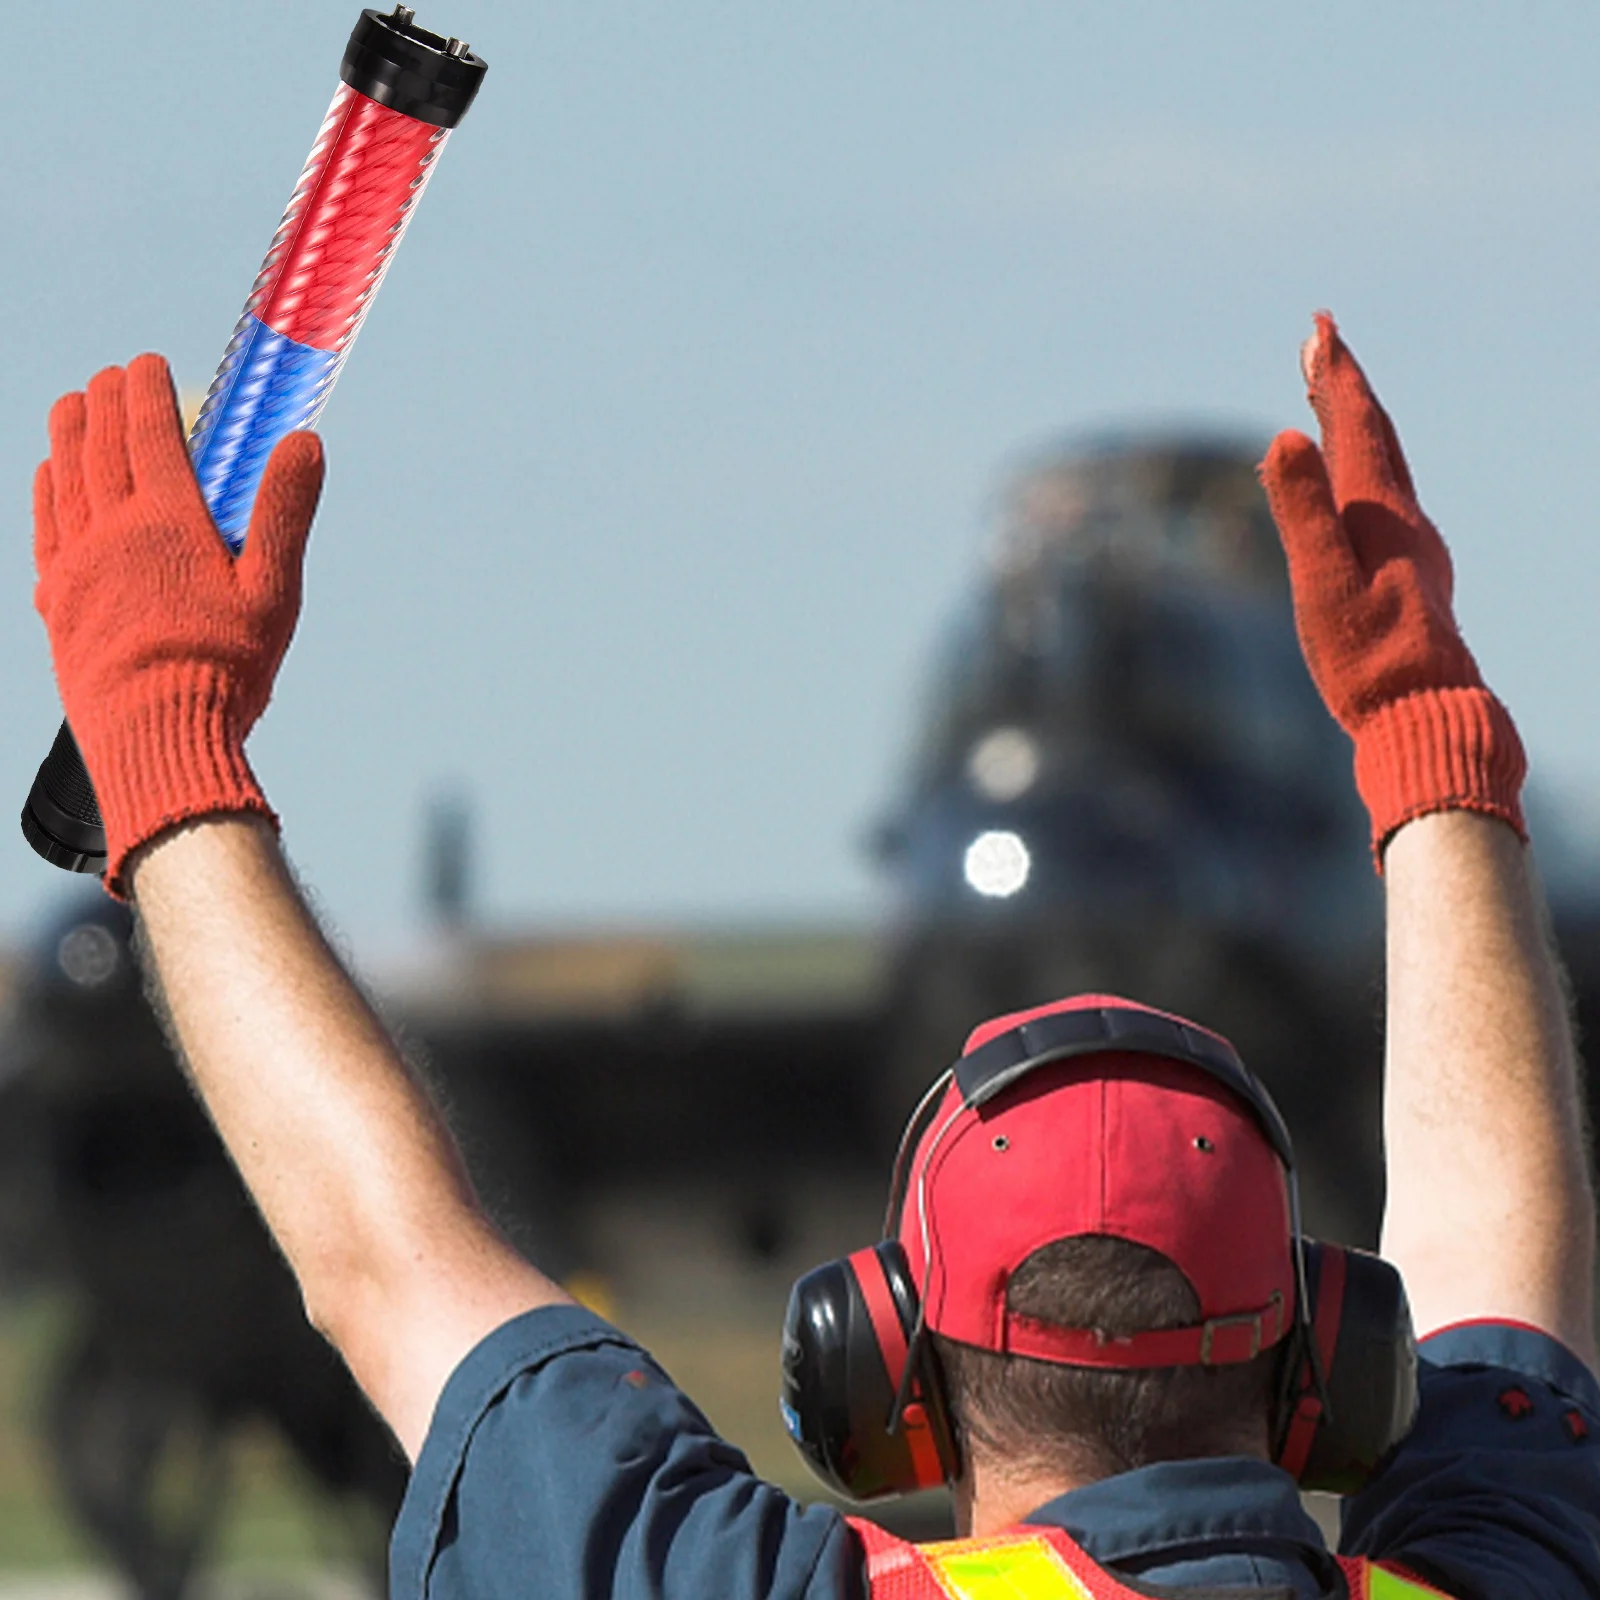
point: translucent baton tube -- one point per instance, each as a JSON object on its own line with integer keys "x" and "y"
{"x": 403, "y": 90}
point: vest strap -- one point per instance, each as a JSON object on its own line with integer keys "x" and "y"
{"x": 1384, "y": 1580}
{"x": 1039, "y": 1563}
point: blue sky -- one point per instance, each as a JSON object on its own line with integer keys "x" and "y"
{"x": 673, "y": 435}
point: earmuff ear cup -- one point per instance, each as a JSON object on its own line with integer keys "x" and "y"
{"x": 1360, "y": 1324}
{"x": 846, "y": 1336}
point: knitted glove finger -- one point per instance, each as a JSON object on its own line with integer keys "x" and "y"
{"x": 268, "y": 572}
{"x": 1372, "y": 483}
{"x": 269, "y": 567}
{"x": 114, "y": 528}
{"x": 107, "y": 473}
{"x": 1325, "y": 577}
{"x": 1357, "y": 665}
{"x": 1300, "y": 495}
{"x": 1365, "y": 461}
{"x": 68, "y": 421}
{"x": 1398, "y": 464}
{"x": 45, "y": 535}
{"x": 67, "y": 521}
{"x": 1312, "y": 355}
{"x": 156, "y": 449}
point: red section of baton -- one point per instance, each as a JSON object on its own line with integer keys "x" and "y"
{"x": 362, "y": 180}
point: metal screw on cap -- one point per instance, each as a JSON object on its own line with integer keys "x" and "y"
{"x": 455, "y": 47}
{"x": 402, "y": 15}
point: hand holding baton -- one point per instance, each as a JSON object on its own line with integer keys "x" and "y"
{"x": 403, "y": 90}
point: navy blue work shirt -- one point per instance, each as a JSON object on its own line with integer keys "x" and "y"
{"x": 563, "y": 1463}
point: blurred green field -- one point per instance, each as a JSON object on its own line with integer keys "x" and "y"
{"x": 34, "y": 1530}
{"x": 272, "y": 1521}
{"x": 673, "y": 1280}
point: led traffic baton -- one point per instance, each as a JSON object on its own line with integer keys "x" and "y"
{"x": 403, "y": 90}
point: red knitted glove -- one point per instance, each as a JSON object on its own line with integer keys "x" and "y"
{"x": 1372, "y": 602}
{"x": 165, "y": 646}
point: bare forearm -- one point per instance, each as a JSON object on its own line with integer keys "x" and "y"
{"x": 355, "y": 1174}
{"x": 1490, "y": 1207}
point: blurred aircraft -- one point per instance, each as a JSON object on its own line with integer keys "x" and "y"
{"x": 1126, "y": 783}
{"x": 1123, "y": 781}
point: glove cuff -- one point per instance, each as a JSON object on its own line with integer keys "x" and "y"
{"x": 171, "y": 753}
{"x": 1439, "y": 750}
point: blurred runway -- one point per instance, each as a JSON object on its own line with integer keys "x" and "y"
{"x": 286, "y": 1583}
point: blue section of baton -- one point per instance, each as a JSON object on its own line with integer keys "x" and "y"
{"x": 267, "y": 386}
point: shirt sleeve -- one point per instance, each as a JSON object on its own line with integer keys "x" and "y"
{"x": 1495, "y": 1494}
{"x": 563, "y": 1462}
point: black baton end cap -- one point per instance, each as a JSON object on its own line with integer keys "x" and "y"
{"x": 404, "y": 67}
{"x": 54, "y": 851}
{"x": 61, "y": 819}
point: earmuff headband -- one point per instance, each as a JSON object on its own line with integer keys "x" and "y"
{"x": 908, "y": 1415}
{"x": 1311, "y": 1406}
{"x": 994, "y": 1067}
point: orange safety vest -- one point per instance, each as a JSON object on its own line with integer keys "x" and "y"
{"x": 1044, "y": 1564}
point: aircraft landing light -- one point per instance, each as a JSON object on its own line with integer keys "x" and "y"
{"x": 1004, "y": 764}
{"x": 997, "y": 863}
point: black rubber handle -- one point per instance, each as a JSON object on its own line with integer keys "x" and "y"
{"x": 62, "y": 817}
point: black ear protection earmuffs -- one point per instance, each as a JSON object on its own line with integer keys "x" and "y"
{"x": 863, "y": 1397}
{"x": 1348, "y": 1382}
{"x": 851, "y": 1344}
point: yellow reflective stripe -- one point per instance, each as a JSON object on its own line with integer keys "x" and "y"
{"x": 1383, "y": 1585}
{"x": 1009, "y": 1569}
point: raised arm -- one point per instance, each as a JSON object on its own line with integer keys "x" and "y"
{"x": 165, "y": 651}
{"x": 353, "y": 1170}
{"x": 1490, "y": 1209}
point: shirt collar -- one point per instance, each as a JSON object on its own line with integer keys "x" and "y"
{"x": 1183, "y": 1505}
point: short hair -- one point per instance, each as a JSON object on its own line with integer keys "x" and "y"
{"x": 1094, "y": 1422}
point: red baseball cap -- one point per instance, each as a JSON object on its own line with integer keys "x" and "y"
{"x": 1129, "y": 1129}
